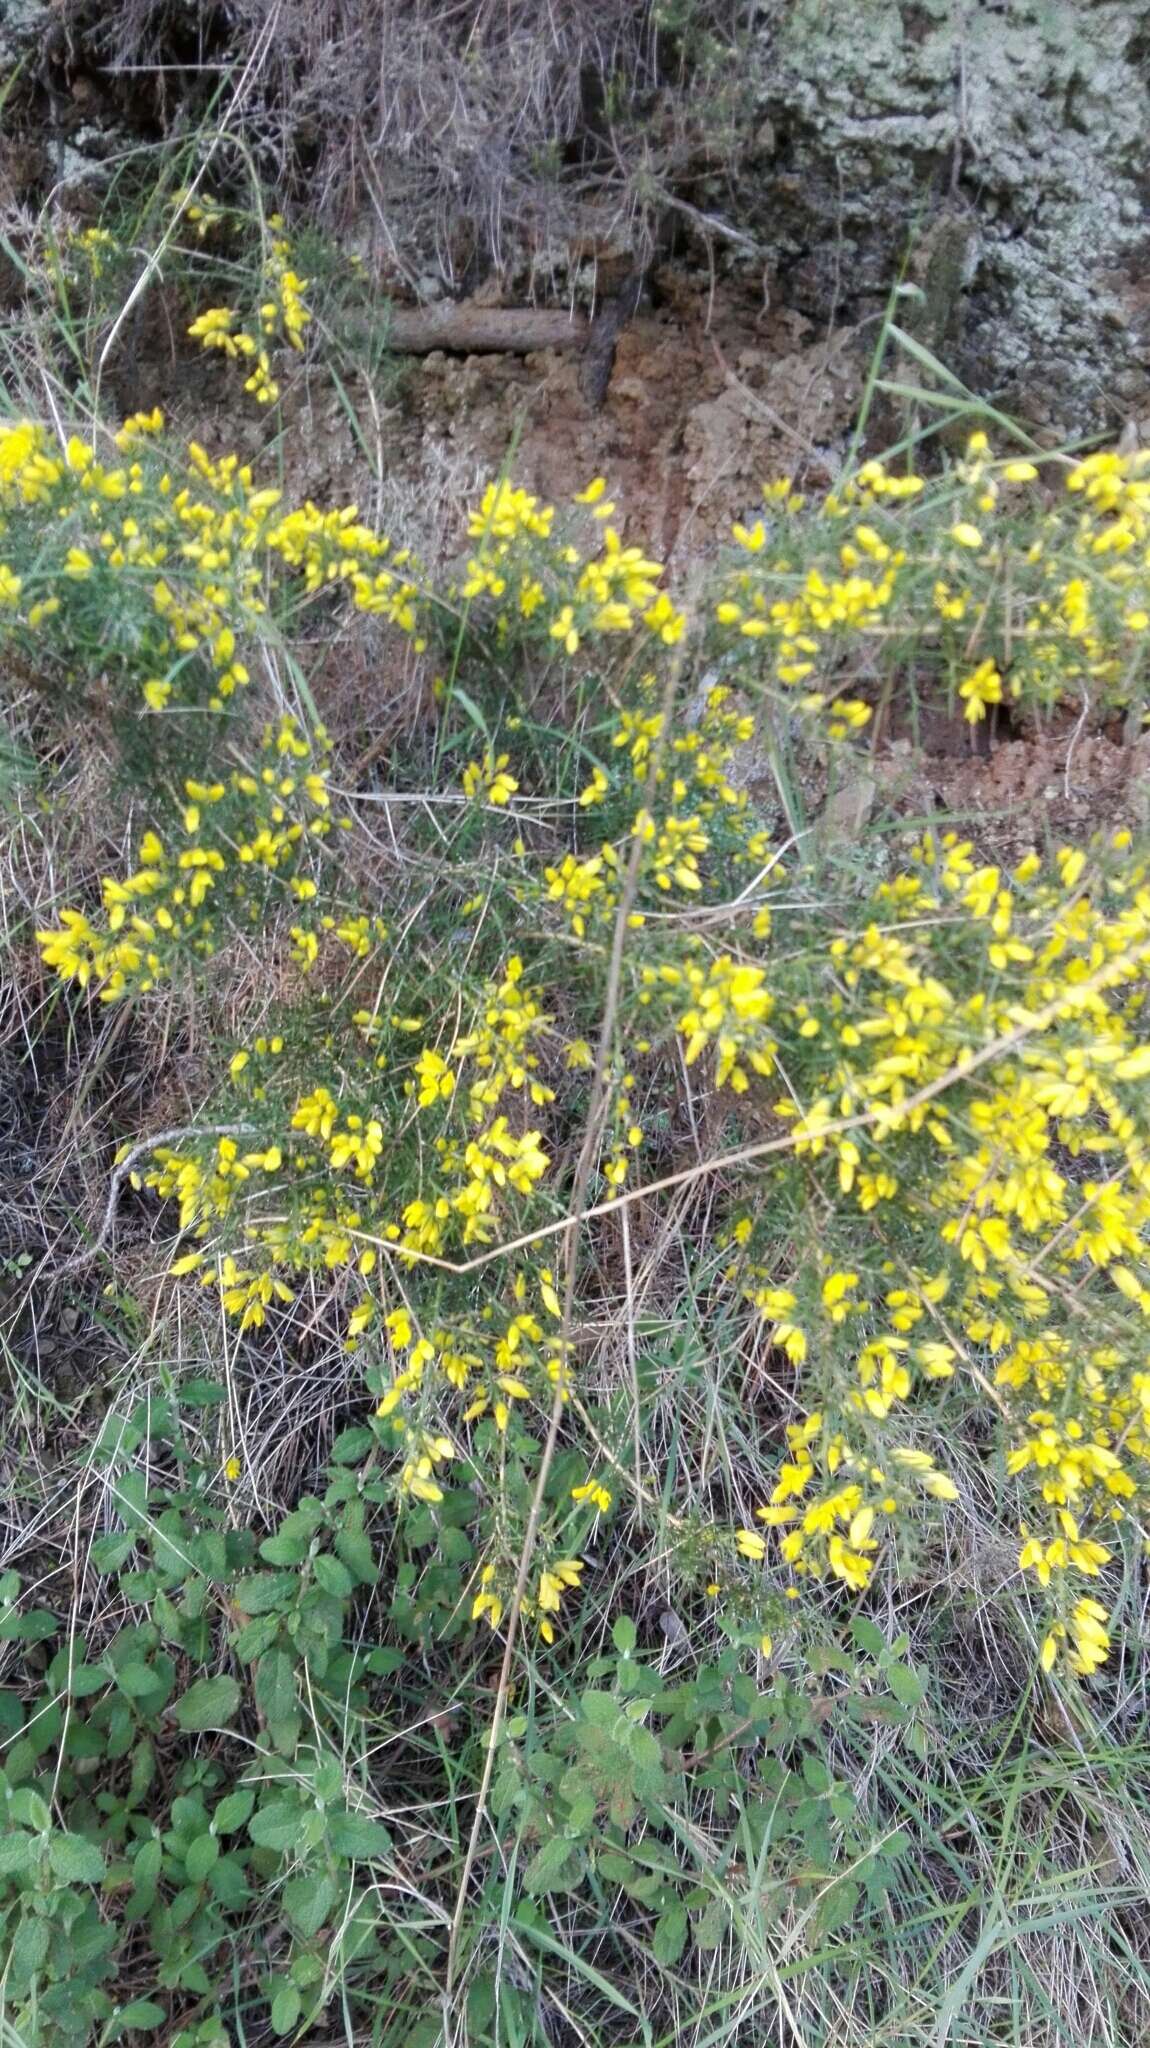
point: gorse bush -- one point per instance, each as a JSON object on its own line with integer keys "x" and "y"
{"x": 282, "y": 315}
{"x": 882, "y": 1139}
{"x": 1048, "y": 590}
{"x": 418, "y": 1137}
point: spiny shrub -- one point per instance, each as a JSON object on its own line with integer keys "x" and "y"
{"x": 922, "y": 1111}
{"x": 575, "y": 1076}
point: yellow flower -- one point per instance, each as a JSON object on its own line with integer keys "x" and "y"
{"x": 563, "y": 628}
{"x": 982, "y": 687}
{"x": 487, "y": 1605}
{"x": 435, "y": 1077}
{"x": 489, "y": 778}
{"x": 594, "y": 1491}
{"x": 596, "y": 789}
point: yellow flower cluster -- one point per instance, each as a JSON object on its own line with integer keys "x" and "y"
{"x": 554, "y": 1581}
{"x": 1027, "y": 1193}
{"x": 249, "y": 840}
{"x": 695, "y": 772}
{"x": 195, "y": 567}
{"x": 729, "y": 1007}
{"x": 283, "y": 314}
{"x": 948, "y": 1193}
{"x": 489, "y": 778}
{"x": 1050, "y": 600}
{"x": 528, "y": 575}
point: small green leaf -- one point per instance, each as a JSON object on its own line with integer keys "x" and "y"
{"x": 601, "y": 1708}
{"x": 28, "y": 1951}
{"x": 286, "y": 2008}
{"x": 259, "y": 1634}
{"x": 276, "y": 1699}
{"x": 201, "y": 1855}
{"x": 75, "y": 1860}
{"x": 333, "y": 1576}
{"x": 354, "y": 1834}
{"x": 328, "y": 1780}
{"x": 15, "y": 1854}
{"x": 110, "y": 1552}
{"x": 27, "y": 1806}
{"x": 145, "y": 1876}
{"x": 85, "y": 1679}
{"x": 210, "y": 1703}
{"x": 711, "y": 1926}
{"x": 279, "y": 1825}
{"x": 351, "y": 1445}
{"x": 551, "y": 1866}
{"x": 232, "y": 1811}
{"x": 308, "y": 1901}
{"x": 822, "y": 1658}
{"x": 384, "y": 1661}
{"x": 136, "y": 1680}
{"x": 263, "y": 1592}
{"x": 202, "y": 1393}
{"x": 918, "y": 1740}
{"x": 838, "y": 1905}
{"x": 906, "y": 1685}
{"x": 38, "y": 1626}
{"x": 284, "y": 1550}
{"x": 624, "y": 1635}
{"x": 481, "y": 2004}
{"x": 229, "y": 1884}
{"x": 142, "y": 2014}
{"x": 454, "y": 1546}
{"x": 643, "y": 1747}
{"x": 354, "y": 1547}
{"x": 130, "y": 1492}
{"x": 670, "y": 1936}
{"x": 581, "y": 1813}
{"x": 867, "y": 1636}
{"x": 292, "y": 1540}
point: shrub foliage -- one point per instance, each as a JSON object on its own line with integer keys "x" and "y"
{"x": 574, "y": 1024}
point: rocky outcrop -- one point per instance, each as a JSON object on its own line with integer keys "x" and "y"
{"x": 998, "y": 148}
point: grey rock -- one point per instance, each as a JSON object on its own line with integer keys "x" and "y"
{"x": 1025, "y": 124}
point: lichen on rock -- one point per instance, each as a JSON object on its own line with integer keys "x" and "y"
{"x": 1029, "y": 119}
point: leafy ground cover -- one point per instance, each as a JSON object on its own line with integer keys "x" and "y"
{"x": 601, "y": 1494}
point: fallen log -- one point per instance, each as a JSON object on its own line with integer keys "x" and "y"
{"x": 482, "y": 330}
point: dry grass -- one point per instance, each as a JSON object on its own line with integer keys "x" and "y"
{"x": 477, "y": 132}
